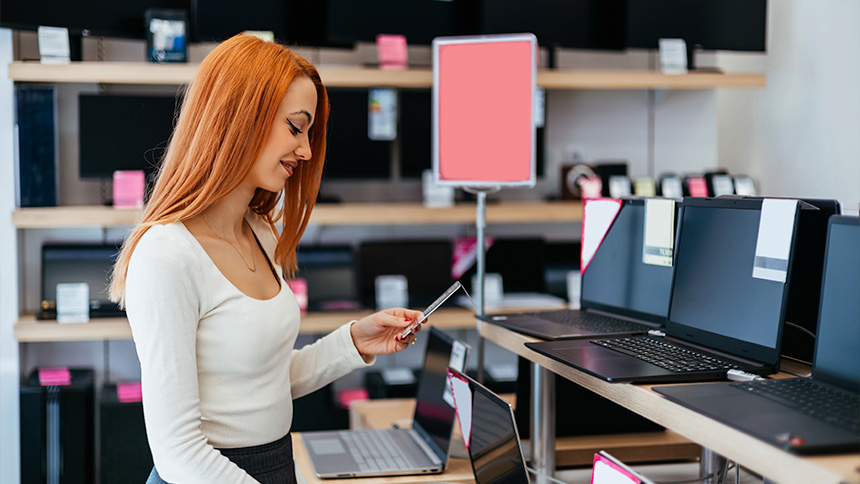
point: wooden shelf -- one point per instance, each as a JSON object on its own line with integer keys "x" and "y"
{"x": 30, "y": 330}
{"x": 350, "y": 76}
{"x": 325, "y": 214}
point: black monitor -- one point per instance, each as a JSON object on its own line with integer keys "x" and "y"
{"x": 137, "y": 142}
{"x": 217, "y": 20}
{"x": 581, "y": 24}
{"x": 425, "y": 263}
{"x": 520, "y": 261}
{"x": 739, "y": 25}
{"x": 350, "y": 153}
{"x": 329, "y": 271}
{"x": 419, "y": 21}
{"x": 74, "y": 263}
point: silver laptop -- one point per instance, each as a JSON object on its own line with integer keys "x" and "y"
{"x": 492, "y": 439}
{"x": 422, "y": 449}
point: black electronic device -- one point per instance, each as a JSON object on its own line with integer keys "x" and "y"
{"x": 425, "y": 263}
{"x": 72, "y": 263}
{"x": 703, "y": 24}
{"x": 560, "y": 258}
{"x": 123, "y": 19}
{"x": 820, "y": 414}
{"x": 57, "y": 427}
{"x": 731, "y": 319}
{"x": 124, "y": 451}
{"x": 350, "y": 153}
{"x": 107, "y": 145}
{"x": 36, "y": 121}
{"x": 621, "y": 295}
{"x": 520, "y": 261}
{"x": 217, "y": 20}
{"x": 329, "y": 271}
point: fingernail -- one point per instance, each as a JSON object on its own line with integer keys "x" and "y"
{"x": 408, "y": 320}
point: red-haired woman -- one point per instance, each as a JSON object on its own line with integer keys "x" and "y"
{"x": 202, "y": 275}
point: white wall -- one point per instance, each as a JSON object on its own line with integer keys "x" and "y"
{"x": 800, "y": 136}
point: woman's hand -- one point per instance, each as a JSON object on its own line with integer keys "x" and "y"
{"x": 379, "y": 333}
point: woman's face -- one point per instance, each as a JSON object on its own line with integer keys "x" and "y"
{"x": 287, "y": 144}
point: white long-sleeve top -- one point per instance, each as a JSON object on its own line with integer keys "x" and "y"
{"x": 218, "y": 368}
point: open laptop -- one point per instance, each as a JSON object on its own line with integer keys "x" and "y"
{"x": 422, "y": 449}
{"x": 489, "y": 432}
{"x": 73, "y": 263}
{"x": 721, "y": 317}
{"x": 621, "y": 294}
{"x": 829, "y": 421}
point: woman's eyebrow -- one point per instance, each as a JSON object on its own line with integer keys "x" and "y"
{"x": 307, "y": 115}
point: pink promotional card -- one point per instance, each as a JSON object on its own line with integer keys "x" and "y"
{"x": 484, "y": 123}
{"x": 129, "y": 392}
{"x": 128, "y": 189}
{"x": 54, "y": 376}
{"x": 391, "y": 51}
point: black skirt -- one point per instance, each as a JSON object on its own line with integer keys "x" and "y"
{"x": 270, "y": 463}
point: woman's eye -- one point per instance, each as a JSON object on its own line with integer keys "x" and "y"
{"x": 293, "y": 127}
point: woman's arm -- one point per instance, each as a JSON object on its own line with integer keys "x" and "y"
{"x": 163, "y": 304}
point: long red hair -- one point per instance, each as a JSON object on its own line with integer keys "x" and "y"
{"x": 226, "y": 115}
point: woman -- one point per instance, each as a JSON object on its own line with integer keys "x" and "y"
{"x": 202, "y": 276}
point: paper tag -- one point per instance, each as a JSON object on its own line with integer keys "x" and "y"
{"x": 597, "y": 217}
{"x": 457, "y": 361}
{"x": 54, "y": 45}
{"x": 773, "y": 245}
{"x": 494, "y": 293}
{"x": 392, "y": 291}
{"x": 745, "y": 185}
{"x": 129, "y": 392}
{"x": 540, "y": 107}
{"x": 619, "y": 186}
{"x": 391, "y": 51}
{"x": 398, "y": 376}
{"x": 659, "y": 240}
{"x": 55, "y": 376}
{"x": 722, "y": 185}
{"x": 382, "y": 114}
{"x": 672, "y": 187}
{"x": 73, "y": 302}
{"x": 697, "y": 186}
{"x": 463, "y": 405}
{"x": 128, "y": 189}
{"x": 673, "y": 56}
{"x": 574, "y": 289}
{"x": 644, "y": 187}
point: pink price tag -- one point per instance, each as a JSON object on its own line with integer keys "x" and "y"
{"x": 391, "y": 51}
{"x": 128, "y": 189}
{"x": 54, "y": 376}
{"x": 299, "y": 287}
{"x": 129, "y": 392}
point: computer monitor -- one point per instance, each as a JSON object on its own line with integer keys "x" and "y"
{"x": 739, "y": 25}
{"x": 419, "y": 21}
{"x": 520, "y": 261}
{"x": 329, "y": 271}
{"x": 350, "y": 153}
{"x": 425, "y": 263}
{"x": 136, "y": 143}
{"x": 217, "y": 20}
{"x": 74, "y": 263}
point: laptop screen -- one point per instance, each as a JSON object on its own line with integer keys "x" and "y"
{"x": 618, "y": 280}
{"x": 716, "y": 301}
{"x": 330, "y": 273}
{"x": 79, "y": 263}
{"x": 434, "y": 413}
{"x": 837, "y": 359}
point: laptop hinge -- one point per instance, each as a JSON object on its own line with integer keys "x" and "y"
{"x": 625, "y": 318}
{"x": 416, "y": 436}
{"x": 706, "y": 349}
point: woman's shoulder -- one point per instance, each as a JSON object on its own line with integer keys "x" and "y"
{"x": 170, "y": 243}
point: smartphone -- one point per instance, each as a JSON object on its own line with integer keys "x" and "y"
{"x": 432, "y": 307}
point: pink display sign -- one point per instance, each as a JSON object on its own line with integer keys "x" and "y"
{"x": 54, "y": 376}
{"x": 483, "y": 112}
{"x": 129, "y": 392}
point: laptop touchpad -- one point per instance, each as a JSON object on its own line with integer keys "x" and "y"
{"x": 327, "y": 446}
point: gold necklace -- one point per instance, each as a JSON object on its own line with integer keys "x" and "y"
{"x": 253, "y": 258}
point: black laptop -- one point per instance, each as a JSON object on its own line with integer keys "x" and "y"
{"x": 804, "y": 415}
{"x": 720, "y": 316}
{"x": 74, "y": 263}
{"x": 621, "y": 294}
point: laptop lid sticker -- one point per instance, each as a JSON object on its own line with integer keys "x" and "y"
{"x": 597, "y": 217}
{"x": 463, "y": 405}
{"x": 659, "y": 239}
{"x": 773, "y": 245}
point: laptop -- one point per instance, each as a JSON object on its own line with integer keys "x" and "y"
{"x": 74, "y": 263}
{"x": 621, "y": 295}
{"x": 721, "y": 317}
{"x": 330, "y": 274}
{"x": 422, "y": 449}
{"x": 489, "y": 432}
{"x": 766, "y": 409}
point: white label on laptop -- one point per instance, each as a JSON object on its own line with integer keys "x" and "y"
{"x": 392, "y": 291}
{"x": 382, "y": 114}
{"x": 463, "y": 397}
{"x": 73, "y": 302}
{"x": 457, "y": 362}
{"x": 659, "y": 238}
{"x": 398, "y": 376}
{"x": 597, "y": 217}
{"x": 773, "y": 246}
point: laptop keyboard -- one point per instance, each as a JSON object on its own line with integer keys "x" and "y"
{"x": 596, "y": 323}
{"x": 375, "y": 450}
{"x": 822, "y": 402}
{"x": 671, "y": 357}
